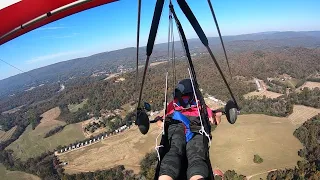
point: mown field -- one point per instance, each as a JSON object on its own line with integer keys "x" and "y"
{"x": 31, "y": 143}
{"x": 233, "y": 147}
{"x": 310, "y": 85}
{"x": 127, "y": 149}
{"x": 75, "y": 107}
{"x": 5, "y": 135}
{"x": 15, "y": 175}
{"x": 301, "y": 114}
{"x": 266, "y": 93}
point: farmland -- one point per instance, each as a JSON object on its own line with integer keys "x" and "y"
{"x": 5, "y": 135}
{"x": 233, "y": 147}
{"x": 301, "y": 114}
{"x": 310, "y": 85}
{"x": 75, "y": 107}
{"x": 32, "y": 142}
{"x": 126, "y": 149}
{"x": 15, "y": 175}
{"x": 266, "y": 93}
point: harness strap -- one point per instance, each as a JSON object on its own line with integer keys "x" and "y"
{"x": 182, "y": 118}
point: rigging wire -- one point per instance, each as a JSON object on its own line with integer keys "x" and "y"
{"x": 17, "y": 68}
{"x": 220, "y": 36}
{"x": 174, "y": 76}
{"x": 137, "y": 50}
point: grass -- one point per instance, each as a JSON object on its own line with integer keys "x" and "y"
{"x": 76, "y": 107}
{"x": 126, "y": 149}
{"x": 233, "y": 147}
{"x": 310, "y": 85}
{"x": 5, "y": 135}
{"x": 15, "y": 175}
{"x": 268, "y": 94}
{"x": 302, "y": 113}
{"x": 32, "y": 142}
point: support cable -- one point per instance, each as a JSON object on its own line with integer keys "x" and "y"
{"x": 17, "y": 68}
{"x": 137, "y": 50}
{"x": 220, "y": 36}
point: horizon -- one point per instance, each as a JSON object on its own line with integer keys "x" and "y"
{"x": 86, "y": 33}
{"x": 145, "y": 46}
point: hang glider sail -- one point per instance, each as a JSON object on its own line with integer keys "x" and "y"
{"x": 18, "y": 17}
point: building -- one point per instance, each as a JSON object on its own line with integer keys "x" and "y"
{"x": 259, "y": 88}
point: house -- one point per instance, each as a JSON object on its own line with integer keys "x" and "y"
{"x": 61, "y": 151}
{"x": 65, "y": 149}
{"x": 69, "y": 148}
{"x": 86, "y": 143}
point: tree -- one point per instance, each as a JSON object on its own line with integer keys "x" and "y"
{"x": 257, "y": 159}
{"x": 232, "y": 175}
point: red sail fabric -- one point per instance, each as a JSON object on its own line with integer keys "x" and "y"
{"x": 15, "y": 15}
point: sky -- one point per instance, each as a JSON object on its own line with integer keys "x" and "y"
{"x": 113, "y": 26}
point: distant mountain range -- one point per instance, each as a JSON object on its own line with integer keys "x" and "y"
{"x": 110, "y": 61}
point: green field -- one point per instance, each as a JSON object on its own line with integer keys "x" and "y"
{"x": 31, "y": 143}
{"x": 76, "y": 107}
{"x": 15, "y": 175}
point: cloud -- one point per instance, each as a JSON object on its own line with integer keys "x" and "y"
{"x": 60, "y": 36}
{"x": 51, "y": 56}
{"x": 51, "y": 28}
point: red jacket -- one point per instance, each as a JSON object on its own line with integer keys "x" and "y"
{"x": 193, "y": 111}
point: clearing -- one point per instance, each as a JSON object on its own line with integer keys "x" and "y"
{"x": 310, "y": 85}
{"x": 126, "y": 148}
{"x": 301, "y": 114}
{"x": 5, "y": 135}
{"x": 75, "y": 107}
{"x": 268, "y": 94}
{"x": 31, "y": 143}
{"x": 15, "y": 175}
{"x": 233, "y": 147}
{"x": 11, "y": 111}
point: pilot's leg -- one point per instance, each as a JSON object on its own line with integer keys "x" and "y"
{"x": 197, "y": 166}
{"x": 171, "y": 162}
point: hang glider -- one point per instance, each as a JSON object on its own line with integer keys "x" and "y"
{"x": 18, "y": 17}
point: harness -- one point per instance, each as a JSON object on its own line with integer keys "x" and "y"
{"x": 179, "y": 114}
